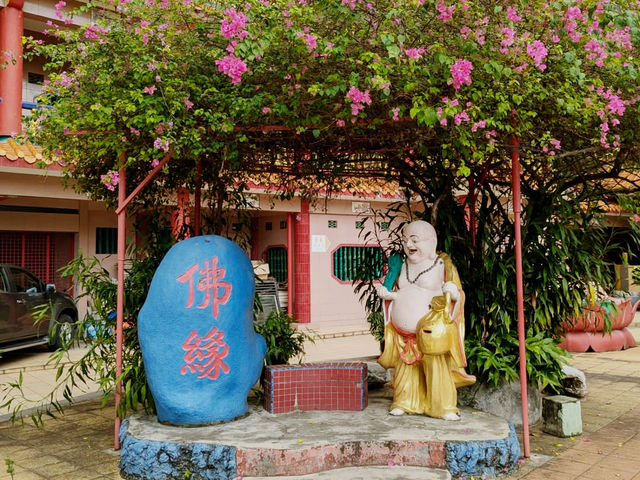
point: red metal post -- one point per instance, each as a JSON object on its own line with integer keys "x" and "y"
{"x": 11, "y": 31}
{"x": 517, "y": 209}
{"x": 290, "y": 253}
{"x": 122, "y": 234}
{"x": 123, "y": 204}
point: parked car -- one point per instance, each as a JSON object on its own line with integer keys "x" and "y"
{"x": 22, "y": 294}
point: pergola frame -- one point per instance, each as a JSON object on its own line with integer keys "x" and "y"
{"x": 360, "y": 155}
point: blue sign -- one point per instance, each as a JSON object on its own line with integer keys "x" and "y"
{"x": 200, "y": 351}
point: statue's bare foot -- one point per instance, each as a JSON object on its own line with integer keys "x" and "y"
{"x": 396, "y": 411}
{"x": 451, "y": 416}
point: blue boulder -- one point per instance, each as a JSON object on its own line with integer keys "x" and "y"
{"x": 200, "y": 351}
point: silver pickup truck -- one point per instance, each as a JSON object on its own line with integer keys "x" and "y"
{"x": 21, "y": 295}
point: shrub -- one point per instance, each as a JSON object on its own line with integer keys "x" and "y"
{"x": 284, "y": 342}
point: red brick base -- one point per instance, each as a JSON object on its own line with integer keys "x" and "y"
{"x": 315, "y": 386}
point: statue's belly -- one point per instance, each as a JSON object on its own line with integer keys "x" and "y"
{"x": 410, "y": 305}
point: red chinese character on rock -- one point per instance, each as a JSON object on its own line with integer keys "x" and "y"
{"x": 209, "y": 283}
{"x": 204, "y": 355}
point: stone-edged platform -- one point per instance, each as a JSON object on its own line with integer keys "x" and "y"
{"x": 301, "y": 443}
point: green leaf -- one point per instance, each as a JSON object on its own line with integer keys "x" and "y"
{"x": 393, "y": 51}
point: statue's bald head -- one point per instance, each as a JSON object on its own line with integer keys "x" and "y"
{"x": 419, "y": 240}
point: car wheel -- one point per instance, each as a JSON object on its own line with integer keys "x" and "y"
{"x": 64, "y": 332}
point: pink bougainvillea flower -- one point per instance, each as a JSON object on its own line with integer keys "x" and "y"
{"x": 512, "y": 14}
{"x": 574, "y": 13}
{"x": 265, "y": 110}
{"x": 460, "y": 117}
{"x": 596, "y": 51}
{"x": 187, "y": 103}
{"x": 478, "y": 125}
{"x": 351, "y": 3}
{"x": 111, "y": 179}
{"x": 150, "y": 90}
{"x": 414, "y": 53}
{"x": 234, "y": 24}
{"x": 340, "y": 123}
{"x": 358, "y": 99}
{"x": 161, "y": 144}
{"x": 232, "y": 66}
{"x": 616, "y": 105}
{"x": 445, "y": 13}
{"x": 395, "y": 112}
{"x": 538, "y": 52}
{"x": 92, "y": 32}
{"x": 311, "y": 42}
{"x": 509, "y": 37}
{"x": 461, "y": 73}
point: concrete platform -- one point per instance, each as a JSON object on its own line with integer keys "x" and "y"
{"x": 305, "y": 444}
{"x": 393, "y": 472}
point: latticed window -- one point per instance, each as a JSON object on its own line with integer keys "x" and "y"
{"x": 42, "y": 253}
{"x": 277, "y": 260}
{"x": 106, "y": 240}
{"x": 358, "y": 263}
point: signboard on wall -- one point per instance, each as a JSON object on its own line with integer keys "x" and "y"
{"x": 361, "y": 208}
{"x": 319, "y": 243}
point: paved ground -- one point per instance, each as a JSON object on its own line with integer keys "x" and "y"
{"x": 79, "y": 445}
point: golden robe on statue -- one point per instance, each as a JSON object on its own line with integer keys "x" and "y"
{"x": 429, "y": 362}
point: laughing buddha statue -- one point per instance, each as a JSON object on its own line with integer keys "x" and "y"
{"x": 424, "y": 327}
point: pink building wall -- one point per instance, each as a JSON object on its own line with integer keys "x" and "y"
{"x": 333, "y": 301}
{"x": 277, "y": 236}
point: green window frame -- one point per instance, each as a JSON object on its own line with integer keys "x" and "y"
{"x": 358, "y": 262}
{"x": 277, "y": 260}
{"x": 106, "y": 240}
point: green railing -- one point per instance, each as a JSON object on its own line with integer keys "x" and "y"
{"x": 358, "y": 263}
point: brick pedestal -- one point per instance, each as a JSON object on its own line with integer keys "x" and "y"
{"x": 317, "y": 386}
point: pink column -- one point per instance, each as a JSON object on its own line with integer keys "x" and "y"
{"x": 11, "y": 30}
{"x": 302, "y": 274}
